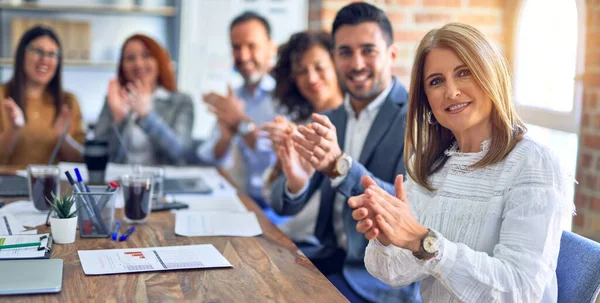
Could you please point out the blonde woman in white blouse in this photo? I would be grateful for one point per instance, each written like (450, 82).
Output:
(479, 218)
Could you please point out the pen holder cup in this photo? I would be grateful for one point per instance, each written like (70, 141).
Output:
(95, 212)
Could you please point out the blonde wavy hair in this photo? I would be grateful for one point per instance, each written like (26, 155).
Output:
(425, 143)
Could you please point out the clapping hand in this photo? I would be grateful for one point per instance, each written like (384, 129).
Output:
(386, 217)
(228, 109)
(317, 144)
(277, 130)
(296, 169)
(15, 114)
(118, 101)
(140, 97)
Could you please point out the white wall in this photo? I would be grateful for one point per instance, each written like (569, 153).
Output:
(205, 54)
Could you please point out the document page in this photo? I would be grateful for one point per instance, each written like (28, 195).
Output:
(195, 224)
(114, 261)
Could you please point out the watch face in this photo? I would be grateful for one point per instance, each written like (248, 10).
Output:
(430, 244)
(343, 166)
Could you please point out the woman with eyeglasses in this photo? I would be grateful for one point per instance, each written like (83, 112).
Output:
(36, 111)
(145, 119)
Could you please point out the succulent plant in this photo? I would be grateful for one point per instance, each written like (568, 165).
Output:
(62, 206)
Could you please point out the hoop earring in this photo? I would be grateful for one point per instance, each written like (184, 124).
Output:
(430, 119)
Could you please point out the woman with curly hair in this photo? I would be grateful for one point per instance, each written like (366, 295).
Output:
(306, 83)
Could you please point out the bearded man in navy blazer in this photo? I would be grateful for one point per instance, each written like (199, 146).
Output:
(328, 157)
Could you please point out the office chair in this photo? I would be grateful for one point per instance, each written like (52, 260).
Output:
(578, 269)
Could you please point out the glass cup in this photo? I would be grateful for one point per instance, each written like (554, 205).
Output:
(158, 178)
(137, 193)
(44, 180)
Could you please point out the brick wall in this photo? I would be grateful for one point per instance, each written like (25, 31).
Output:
(587, 193)
(411, 19)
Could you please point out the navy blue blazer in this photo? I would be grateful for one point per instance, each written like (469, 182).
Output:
(382, 158)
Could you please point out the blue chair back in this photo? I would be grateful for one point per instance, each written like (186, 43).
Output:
(578, 269)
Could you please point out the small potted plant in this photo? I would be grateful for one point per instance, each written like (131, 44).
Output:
(64, 220)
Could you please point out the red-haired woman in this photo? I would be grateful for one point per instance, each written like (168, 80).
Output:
(144, 109)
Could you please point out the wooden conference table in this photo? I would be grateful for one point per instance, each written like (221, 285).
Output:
(267, 268)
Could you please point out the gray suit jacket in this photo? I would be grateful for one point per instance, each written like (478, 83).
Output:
(382, 158)
(169, 126)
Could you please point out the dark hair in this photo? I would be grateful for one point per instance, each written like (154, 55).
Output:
(16, 86)
(360, 12)
(166, 76)
(249, 16)
(289, 54)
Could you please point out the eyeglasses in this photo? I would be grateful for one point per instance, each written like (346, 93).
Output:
(41, 53)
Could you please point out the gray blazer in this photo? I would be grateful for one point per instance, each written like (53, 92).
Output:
(169, 126)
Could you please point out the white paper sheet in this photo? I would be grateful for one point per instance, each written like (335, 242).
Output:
(210, 203)
(113, 261)
(23, 252)
(9, 225)
(26, 213)
(196, 224)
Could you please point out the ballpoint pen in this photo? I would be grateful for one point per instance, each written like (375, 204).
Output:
(115, 231)
(113, 186)
(82, 184)
(20, 245)
(96, 219)
(124, 236)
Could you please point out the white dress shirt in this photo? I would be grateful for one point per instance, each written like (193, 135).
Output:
(499, 227)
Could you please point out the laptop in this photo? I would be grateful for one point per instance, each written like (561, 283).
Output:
(31, 276)
(13, 186)
(186, 186)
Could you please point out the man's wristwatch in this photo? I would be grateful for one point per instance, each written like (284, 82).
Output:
(429, 246)
(245, 127)
(342, 165)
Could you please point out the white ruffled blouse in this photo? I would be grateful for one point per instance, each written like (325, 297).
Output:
(499, 227)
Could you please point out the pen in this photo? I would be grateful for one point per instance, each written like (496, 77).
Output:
(82, 184)
(112, 186)
(116, 231)
(124, 236)
(84, 188)
(21, 245)
(90, 211)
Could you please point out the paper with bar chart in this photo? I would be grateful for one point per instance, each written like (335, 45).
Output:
(114, 261)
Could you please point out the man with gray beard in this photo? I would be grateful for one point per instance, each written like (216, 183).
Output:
(240, 112)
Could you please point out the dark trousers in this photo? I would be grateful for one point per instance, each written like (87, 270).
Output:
(331, 267)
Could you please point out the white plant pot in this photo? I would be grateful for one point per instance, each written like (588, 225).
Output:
(63, 230)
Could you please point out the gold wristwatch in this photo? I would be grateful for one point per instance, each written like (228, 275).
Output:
(342, 165)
